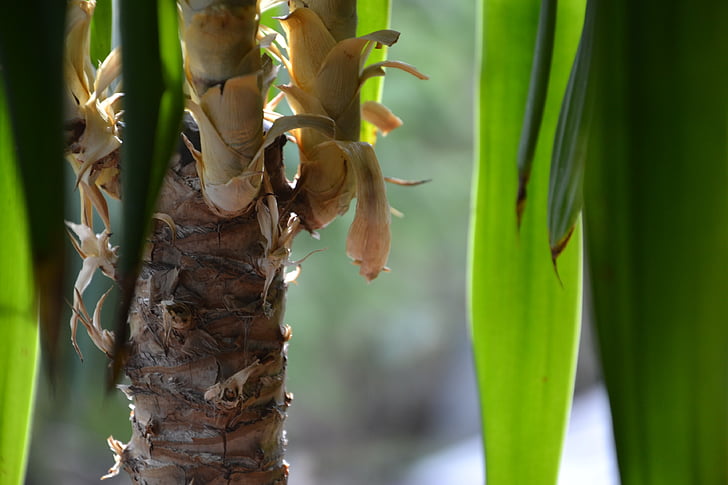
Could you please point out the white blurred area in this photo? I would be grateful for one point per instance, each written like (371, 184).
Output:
(588, 456)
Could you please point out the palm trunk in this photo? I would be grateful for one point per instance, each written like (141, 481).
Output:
(208, 348)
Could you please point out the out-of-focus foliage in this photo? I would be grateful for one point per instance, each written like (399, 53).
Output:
(18, 329)
(656, 214)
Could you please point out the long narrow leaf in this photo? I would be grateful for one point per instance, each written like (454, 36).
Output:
(525, 323)
(101, 24)
(31, 50)
(18, 329)
(373, 15)
(656, 213)
(153, 105)
(536, 102)
(566, 178)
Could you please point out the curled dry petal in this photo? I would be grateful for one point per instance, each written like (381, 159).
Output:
(97, 253)
(278, 242)
(117, 447)
(369, 237)
(377, 70)
(380, 116)
(102, 338)
(326, 79)
(328, 181)
(108, 72)
(302, 102)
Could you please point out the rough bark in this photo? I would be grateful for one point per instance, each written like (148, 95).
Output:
(208, 348)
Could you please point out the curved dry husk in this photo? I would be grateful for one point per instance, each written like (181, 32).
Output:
(327, 76)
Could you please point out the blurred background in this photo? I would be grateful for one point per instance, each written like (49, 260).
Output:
(382, 376)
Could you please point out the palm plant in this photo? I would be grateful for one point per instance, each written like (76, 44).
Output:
(651, 151)
(199, 331)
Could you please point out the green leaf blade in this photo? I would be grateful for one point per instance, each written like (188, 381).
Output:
(536, 101)
(566, 178)
(35, 109)
(18, 322)
(525, 323)
(373, 15)
(656, 211)
(101, 28)
(154, 102)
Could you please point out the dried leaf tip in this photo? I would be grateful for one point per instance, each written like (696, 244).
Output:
(117, 447)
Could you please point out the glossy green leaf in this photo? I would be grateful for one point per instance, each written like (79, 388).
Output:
(656, 213)
(373, 15)
(566, 178)
(536, 100)
(31, 50)
(101, 26)
(525, 323)
(153, 105)
(18, 329)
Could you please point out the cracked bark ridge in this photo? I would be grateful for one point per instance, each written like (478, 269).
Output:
(207, 357)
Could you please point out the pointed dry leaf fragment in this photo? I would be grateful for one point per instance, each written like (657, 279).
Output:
(369, 237)
(380, 116)
(97, 253)
(378, 70)
(117, 447)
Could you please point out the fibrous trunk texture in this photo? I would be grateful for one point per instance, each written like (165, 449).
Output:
(208, 348)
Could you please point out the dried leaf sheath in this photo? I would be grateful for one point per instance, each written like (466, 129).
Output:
(207, 354)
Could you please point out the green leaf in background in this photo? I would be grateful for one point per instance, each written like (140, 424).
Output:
(18, 328)
(373, 15)
(153, 105)
(536, 101)
(101, 26)
(566, 178)
(656, 213)
(525, 323)
(31, 50)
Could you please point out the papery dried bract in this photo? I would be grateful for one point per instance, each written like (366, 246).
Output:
(220, 42)
(308, 44)
(97, 253)
(369, 236)
(380, 116)
(327, 181)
